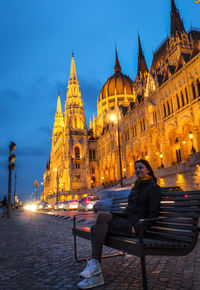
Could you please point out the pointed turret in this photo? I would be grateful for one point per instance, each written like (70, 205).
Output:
(73, 76)
(58, 124)
(176, 22)
(73, 93)
(117, 68)
(142, 66)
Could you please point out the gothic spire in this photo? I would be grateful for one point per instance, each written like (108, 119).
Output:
(117, 68)
(59, 110)
(59, 115)
(176, 21)
(142, 66)
(73, 77)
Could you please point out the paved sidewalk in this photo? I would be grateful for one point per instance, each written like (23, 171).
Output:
(36, 252)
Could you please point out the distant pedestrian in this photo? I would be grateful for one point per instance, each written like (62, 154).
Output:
(4, 204)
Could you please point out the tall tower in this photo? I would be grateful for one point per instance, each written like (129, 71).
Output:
(177, 26)
(76, 156)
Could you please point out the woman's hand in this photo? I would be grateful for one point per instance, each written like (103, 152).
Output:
(133, 230)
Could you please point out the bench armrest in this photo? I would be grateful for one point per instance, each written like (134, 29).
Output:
(81, 214)
(141, 223)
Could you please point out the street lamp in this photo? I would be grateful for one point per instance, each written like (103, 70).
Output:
(115, 118)
(191, 136)
(161, 157)
(56, 170)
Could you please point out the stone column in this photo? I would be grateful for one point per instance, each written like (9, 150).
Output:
(197, 138)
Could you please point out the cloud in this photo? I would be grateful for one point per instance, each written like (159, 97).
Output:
(9, 94)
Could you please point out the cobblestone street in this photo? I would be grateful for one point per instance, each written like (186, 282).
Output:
(36, 252)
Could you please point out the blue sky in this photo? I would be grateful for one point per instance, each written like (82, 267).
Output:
(37, 38)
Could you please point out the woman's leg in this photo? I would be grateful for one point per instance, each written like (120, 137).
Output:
(98, 233)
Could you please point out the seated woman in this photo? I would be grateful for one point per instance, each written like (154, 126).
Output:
(143, 202)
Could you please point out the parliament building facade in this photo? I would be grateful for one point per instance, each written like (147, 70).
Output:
(155, 117)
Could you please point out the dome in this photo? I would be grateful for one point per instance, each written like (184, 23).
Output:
(117, 84)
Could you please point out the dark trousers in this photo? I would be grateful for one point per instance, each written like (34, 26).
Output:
(99, 232)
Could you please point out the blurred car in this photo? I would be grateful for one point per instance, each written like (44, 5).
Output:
(166, 189)
(71, 205)
(44, 205)
(59, 205)
(106, 198)
(87, 203)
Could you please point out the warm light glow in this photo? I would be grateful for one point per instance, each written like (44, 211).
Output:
(157, 153)
(191, 135)
(131, 163)
(184, 142)
(124, 169)
(161, 155)
(55, 169)
(113, 117)
(31, 207)
(102, 177)
(147, 157)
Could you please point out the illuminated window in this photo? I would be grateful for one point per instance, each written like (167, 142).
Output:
(193, 91)
(77, 153)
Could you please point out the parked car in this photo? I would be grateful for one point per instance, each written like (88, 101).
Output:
(59, 205)
(87, 203)
(44, 205)
(71, 205)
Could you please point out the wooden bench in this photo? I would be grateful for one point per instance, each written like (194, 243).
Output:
(174, 233)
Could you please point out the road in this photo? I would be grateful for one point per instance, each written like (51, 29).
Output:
(36, 253)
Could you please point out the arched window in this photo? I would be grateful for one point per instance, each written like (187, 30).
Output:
(75, 122)
(171, 105)
(77, 152)
(186, 96)
(182, 98)
(164, 110)
(168, 107)
(193, 91)
(198, 87)
(178, 103)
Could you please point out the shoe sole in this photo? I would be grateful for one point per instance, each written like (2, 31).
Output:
(92, 286)
(89, 276)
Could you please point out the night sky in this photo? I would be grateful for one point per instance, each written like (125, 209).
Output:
(37, 39)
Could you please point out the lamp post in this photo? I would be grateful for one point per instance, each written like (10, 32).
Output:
(15, 195)
(115, 118)
(191, 136)
(161, 157)
(56, 170)
(36, 184)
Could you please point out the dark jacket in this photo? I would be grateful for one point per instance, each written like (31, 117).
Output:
(143, 202)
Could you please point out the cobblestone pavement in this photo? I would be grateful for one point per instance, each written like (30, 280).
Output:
(36, 252)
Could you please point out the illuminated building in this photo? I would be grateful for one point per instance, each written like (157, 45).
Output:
(157, 117)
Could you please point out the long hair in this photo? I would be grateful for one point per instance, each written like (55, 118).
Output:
(148, 166)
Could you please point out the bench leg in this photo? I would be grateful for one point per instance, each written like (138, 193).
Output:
(144, 276)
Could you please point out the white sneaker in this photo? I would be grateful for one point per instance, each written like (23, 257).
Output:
(91, 282)
(93, 268)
